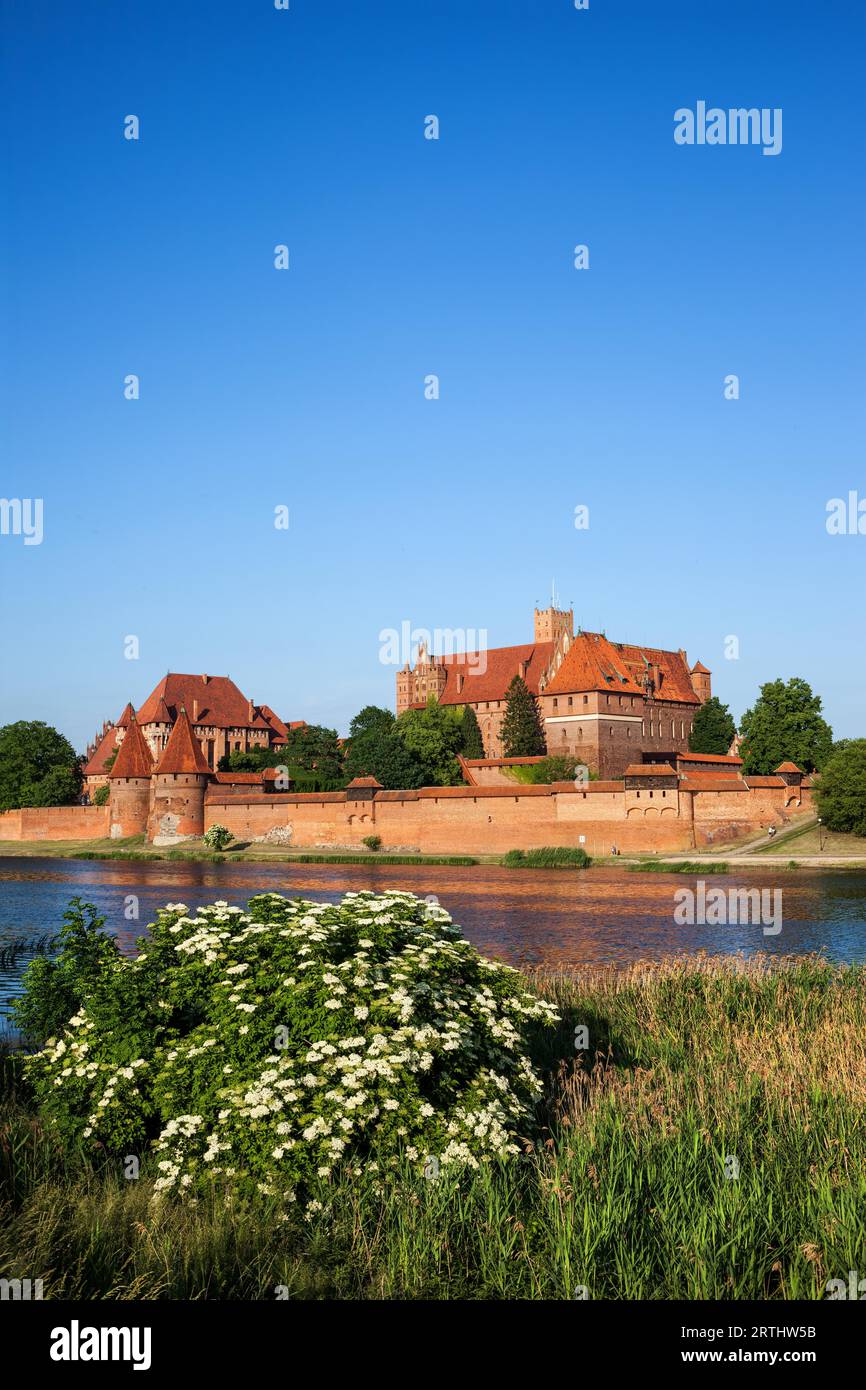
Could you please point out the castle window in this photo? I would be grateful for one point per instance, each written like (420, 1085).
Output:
(586, 699)
(610, 731)
(555, 703)
(569, 702)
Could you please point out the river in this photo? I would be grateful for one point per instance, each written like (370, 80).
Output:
(553, 918)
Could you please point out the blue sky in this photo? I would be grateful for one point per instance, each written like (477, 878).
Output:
(408, 257)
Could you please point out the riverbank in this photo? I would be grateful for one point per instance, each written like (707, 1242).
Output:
(708, 1144)
(795, 849)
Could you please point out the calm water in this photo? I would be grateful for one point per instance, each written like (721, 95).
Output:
(526, 917)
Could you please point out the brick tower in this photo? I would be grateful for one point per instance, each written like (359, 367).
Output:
(178, 787)
(129, 782)
(551, 623)
(701, 681)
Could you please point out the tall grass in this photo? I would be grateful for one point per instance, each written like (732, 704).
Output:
(548, 857)
(690, 1063)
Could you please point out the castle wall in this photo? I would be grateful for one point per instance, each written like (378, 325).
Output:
(55, 823)
(492, 820)
(434, 820)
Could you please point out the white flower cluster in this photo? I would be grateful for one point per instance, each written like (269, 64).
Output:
(397, 1041)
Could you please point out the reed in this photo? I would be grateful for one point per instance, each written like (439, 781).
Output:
(630, 1192)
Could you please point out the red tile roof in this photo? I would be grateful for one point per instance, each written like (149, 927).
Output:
(183, 752)
(721, 758)
(95, 765)
(789, 767)
(501, 762)
(764, 782)
(220, 702)
(594, 663)
(128, 715)
(364, 782)
(711, 782)
(649, 770)
(134, 758)
(162, 715)
(704, 670)
(487, 675)
(274, 722)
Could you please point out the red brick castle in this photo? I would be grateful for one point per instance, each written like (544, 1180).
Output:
(223, 720)
(610, 704)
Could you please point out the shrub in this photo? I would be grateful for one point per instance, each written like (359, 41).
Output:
(217, 837)
(55, 989)
(101, 795)
(373, 842)
(272, 1048)
(550, 857)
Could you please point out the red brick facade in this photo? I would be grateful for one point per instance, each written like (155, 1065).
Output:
(606, 703)
(223, 719)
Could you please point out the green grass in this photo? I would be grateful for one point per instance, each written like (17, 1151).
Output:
(373, 858)
(549, 857)
(690, 1062)
(687, 866)
(136, 849)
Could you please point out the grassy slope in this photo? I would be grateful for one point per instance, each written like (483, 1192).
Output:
(689, 1062)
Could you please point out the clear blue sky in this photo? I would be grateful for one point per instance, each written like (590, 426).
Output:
(409, 257)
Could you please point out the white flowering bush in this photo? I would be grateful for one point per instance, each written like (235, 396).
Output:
(270, 1049)
(217, 837)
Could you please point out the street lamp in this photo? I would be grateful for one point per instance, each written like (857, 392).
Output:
(820, 834)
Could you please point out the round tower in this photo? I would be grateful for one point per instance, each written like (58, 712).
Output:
(178, 785)
(129, 783)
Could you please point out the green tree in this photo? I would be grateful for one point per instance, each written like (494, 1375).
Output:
(101, 795)
(435, 736)
(375, 749)
(522, 729)
(371, 718)
(785, 722)
(313, 748)
(713, 728)
(312, 755)
(841, 790)
(473, 743)
(38, 767)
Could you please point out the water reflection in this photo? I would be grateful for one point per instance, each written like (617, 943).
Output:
(553, 918)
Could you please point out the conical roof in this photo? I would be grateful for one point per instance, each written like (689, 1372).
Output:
(133, 759)
(162, 715)
(183, 752)
(126, 718)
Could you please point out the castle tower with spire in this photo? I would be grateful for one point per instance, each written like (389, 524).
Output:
(129, 781)
(178, 787)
